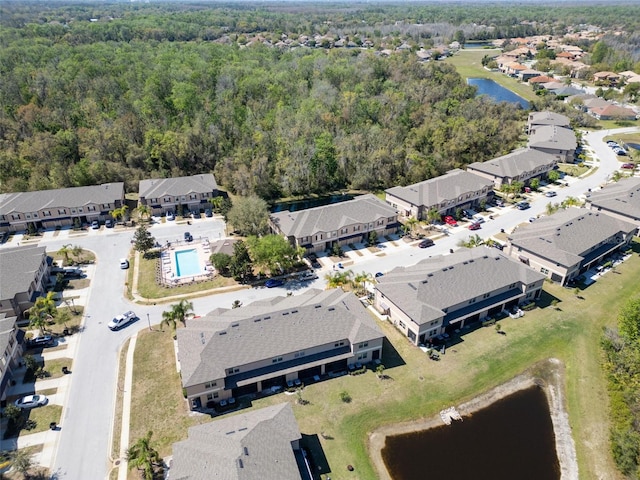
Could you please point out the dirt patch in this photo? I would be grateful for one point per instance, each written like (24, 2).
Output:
(549, 375)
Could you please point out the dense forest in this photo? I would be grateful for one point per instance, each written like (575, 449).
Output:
(93, 93)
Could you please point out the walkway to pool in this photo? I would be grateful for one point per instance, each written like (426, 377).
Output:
(167, 268)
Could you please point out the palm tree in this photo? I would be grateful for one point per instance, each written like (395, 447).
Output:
(360, 281)
(42, 310)
(144, 212)
(178, 313)
(410, 223)
(216, 203)
(338, 279)
(65, 250)
(143, 456)
(474, 241)
(571, 202)
(551, 208)
(433, 216)
(77, 251)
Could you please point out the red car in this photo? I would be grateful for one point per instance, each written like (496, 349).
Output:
(474, 226)
(449, 220)
(630, 166)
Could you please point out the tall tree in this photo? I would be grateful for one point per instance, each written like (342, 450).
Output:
(43, 309)
(143, 241)
(65, 250)
(249, 216)
(241, 265)
(178, 313)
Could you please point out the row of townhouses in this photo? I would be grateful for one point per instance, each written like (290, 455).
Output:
(66, 207)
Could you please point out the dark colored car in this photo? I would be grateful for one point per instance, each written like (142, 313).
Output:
(195, 213)
(108, 223)
(208, 213)
(523, 205)
(629, 166)
(273, 282)
(314, 261)
(427, 242)
(379, 274)
(188, 237)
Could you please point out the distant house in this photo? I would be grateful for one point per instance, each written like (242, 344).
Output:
(447, 292)
(236, 352)
(59, 208)
(612, 112)
(527, 74)
(606, 78)
(570, 242)
(557, 141)
(540, 79)
(255, 444)
(163, 195)
(546, 118)
(521, 165)
(446, 193)
(317, 229)
(10, 350)
(23, 279)
(620, 200)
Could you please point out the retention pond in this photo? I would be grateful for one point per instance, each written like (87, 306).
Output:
(511, 438)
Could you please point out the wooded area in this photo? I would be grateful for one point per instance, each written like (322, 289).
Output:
(119, 92)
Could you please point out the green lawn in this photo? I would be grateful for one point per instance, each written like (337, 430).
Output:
(418, 387)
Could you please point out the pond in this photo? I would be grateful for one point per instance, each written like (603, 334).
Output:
(511, 438)
(478, 45)
(304, 203)
(497, 92)
(635, 146)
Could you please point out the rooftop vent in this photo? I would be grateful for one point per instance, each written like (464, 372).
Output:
(331, 309)
(285, 313)
(222, 333)
(267, 318)
(317, 306)
(413, 286)
(429, 274)
(465, 263)
(294, 311)
(242, 430)
(202, 338)
(258, 320)
(246, 450)
(231, 432)
(235, 324)
(240, 464)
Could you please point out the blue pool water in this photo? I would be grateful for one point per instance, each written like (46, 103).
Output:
(497, 92)
(187, 263)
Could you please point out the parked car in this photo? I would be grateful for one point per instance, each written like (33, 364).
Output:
(620, 151)
(120, 321)
(188, 237)
(307, 275)
(72, 272)
(195, 213)
(522, 205)
(469, 213)
(474, 226)
(95, 224)
(499, 202)
(273, 282)
(379, 274)
(314, 260)
(208, 213)
(612, 144)
(108, 223)
(449, 220)
(41, 341)
(31, 401)
(170, 216)
(124, 263)
(478, 219)
(550, 194)
(628, 166)
(427, 242)
(532, 219)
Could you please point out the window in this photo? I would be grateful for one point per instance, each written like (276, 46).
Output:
(210, 384)
(402, 325)
(105, 205)
(363, 345)
(356, 228)
(79, 210)
(46, 213)
(473, 300)
(544, 271)
(61, 211)
(486, 295)
(363, 356)
(276, 360)
(299, 354)
(28, 216)
(15, 217)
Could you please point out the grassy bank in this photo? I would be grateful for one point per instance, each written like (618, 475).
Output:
(418, 387)
(468, 63)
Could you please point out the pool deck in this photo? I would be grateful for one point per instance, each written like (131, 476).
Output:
(168, 266)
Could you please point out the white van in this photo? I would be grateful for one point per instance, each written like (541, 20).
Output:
(124, 263)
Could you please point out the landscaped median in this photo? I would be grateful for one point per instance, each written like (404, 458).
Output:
(415, 387)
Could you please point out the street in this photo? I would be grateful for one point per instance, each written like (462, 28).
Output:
(84, 442)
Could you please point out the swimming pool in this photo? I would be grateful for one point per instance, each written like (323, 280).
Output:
(187, 263)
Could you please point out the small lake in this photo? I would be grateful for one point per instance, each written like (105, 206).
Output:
(497, 92)
(635, 146)
(295, 205)
(478, 45)
(511, 438)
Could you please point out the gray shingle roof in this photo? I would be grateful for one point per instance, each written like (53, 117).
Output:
(329, 218)
(515, 163)
(423, 290)
(291, 324)
(622, 197)
(566, 236)
(548, 118)
(253, 445)
(434, 191)
(159, 187)
(23, 263)
(553, 137)
(61, 198)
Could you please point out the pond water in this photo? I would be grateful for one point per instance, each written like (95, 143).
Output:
(634, 145)
(478, 45)
(497, 92)
(295, 205)
(512, 438)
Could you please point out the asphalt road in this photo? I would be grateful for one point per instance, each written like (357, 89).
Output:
(84, 444)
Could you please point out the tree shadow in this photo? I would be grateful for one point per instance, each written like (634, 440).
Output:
(547, 300)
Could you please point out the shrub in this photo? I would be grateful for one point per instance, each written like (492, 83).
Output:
(345, 397)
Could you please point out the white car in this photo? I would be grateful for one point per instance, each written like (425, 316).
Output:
(550, 193)
(31, 401)
(120, 321)
(307, 275)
